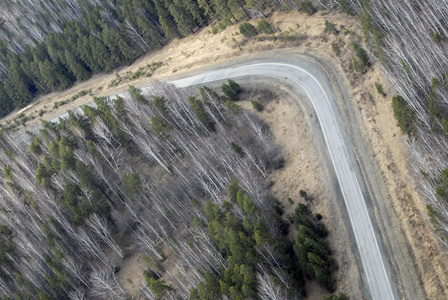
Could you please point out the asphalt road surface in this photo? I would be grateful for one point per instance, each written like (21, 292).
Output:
(379, 280)
(375, 269)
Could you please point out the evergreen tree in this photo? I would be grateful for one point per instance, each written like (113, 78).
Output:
(248, 29)
(84, 49)
(207, 7)
(53, 75)
(193, 8)
(31, 68)
(17, 86)
(76, 66)
(6, 104)
(183, 18)
(149, 32)
(166, 20)
(236, 6)
(147, 23)
(222, 10)
(55, 48)
(100, 54)
(404, 114)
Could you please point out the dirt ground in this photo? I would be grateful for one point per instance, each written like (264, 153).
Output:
(302, 33)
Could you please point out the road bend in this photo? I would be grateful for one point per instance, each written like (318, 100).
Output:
(379, 281)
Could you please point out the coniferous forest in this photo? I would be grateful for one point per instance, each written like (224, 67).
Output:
(48, 45)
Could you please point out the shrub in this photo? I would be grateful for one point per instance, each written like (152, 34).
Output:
(335, 48)
(265, 27)
(248, 30)
(358, 66)
(238, 150)
(137, 74)
(330, 28)
(437, 37)
(232, 107)
(379, 88)
(362, 54)
(404, 114)
(306, 7)
(234, 86)
(231, 90)
(257, 105)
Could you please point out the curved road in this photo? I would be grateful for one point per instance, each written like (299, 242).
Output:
(379, 280)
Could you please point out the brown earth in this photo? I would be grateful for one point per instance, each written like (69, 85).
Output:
(304, 34)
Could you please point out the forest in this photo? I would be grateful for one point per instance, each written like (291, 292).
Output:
(176, 176)
(409, 39)
(60, 42)
(49, 45)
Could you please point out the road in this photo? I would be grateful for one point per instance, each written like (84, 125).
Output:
(342, 157)
(375, 268)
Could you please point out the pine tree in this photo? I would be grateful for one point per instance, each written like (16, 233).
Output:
(193, 9)
(100, 54)
(53, 75)
(183, 19)
(124, 44)
(109, 40)
(76, 66)
(404, 114)
(149, 32)
(55, 48)
(84, 48)
(166, 20)
(235, 7)
(16, 85)
(31, 69)
(222, 10)
(6, 104)
(207, 6)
